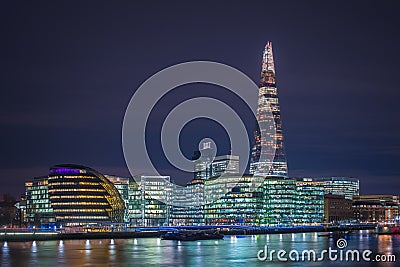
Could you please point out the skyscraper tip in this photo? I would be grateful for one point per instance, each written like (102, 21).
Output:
(268, 58)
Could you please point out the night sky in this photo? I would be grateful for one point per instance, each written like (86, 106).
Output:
(69, 69)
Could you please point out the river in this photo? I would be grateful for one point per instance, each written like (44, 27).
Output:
(231, 251)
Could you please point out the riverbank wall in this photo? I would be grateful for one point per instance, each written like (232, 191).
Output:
(15, 235)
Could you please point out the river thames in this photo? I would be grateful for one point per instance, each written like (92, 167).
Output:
(231, 251)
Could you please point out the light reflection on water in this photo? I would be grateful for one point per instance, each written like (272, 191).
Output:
(232, 250)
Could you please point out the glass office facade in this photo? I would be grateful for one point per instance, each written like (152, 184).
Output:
(134, 203)
(38, 207)
(122, 185)
(188, 204)
(228, 164)
(81, 196)
(209, 166)
(310, 202)
(349, 187)
(155, 212)
(180, 213)
(202, 160)
(241, 205)
(196, 193)
(77, 195)
(279, 201)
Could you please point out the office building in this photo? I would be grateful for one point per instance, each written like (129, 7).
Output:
(280, 196)
(81, 196)
(233, 200)
(155, 193)
(208, 166)
(203, 159)
(135, 215)
(309, 206)
(38, 206)
(376, 208)
(349, 187)
(263, 160)
(122, 185)
(228, 164)
(196, 193)
(337, 209)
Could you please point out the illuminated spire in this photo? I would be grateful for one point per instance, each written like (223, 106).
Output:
(268, 58)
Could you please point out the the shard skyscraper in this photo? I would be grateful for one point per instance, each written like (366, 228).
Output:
(268, 103)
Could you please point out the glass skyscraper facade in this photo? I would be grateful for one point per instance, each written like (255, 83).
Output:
(261, 163)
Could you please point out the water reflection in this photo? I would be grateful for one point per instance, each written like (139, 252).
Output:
(61, 247)
(34, 247)
(4, 254)
(385, 244)
(87, 248)
(234, 250)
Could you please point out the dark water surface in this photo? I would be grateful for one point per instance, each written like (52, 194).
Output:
(231, 251)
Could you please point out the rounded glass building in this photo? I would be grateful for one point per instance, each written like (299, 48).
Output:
(80, 196)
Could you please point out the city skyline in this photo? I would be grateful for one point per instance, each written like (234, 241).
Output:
(65, 90)
(271, 167)
(197, 133)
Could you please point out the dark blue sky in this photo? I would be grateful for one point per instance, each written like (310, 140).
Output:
(69, 69)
